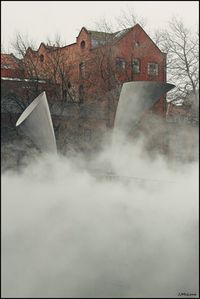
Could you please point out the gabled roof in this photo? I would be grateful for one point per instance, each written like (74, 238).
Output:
(102, 38)
(9, 61)
(83, 28)
(48, 47)
(138, 25)
(31, 50)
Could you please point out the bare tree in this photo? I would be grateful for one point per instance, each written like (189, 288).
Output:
(105, 68)
(129, 18)
(182, 48)
(59, 70)
(24, 49)
(55, 70)
(105, 62)
(104, 25)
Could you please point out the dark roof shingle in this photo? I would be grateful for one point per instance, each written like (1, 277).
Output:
(101, 38)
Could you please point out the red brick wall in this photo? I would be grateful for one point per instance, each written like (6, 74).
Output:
(135, 44)
(125, 48)
(24, 90)
(12, 73)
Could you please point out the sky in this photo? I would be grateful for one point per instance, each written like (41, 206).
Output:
(40, 20)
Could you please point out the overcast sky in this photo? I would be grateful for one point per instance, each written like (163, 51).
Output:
(40, 20)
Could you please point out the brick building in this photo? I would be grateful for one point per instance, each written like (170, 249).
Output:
(83, 79)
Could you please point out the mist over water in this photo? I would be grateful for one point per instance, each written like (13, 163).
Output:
(118, 225)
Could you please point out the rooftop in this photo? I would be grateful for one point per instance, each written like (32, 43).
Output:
(101, 38)
(9, 61)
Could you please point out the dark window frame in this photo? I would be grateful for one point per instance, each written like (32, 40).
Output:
(41, 58)
(152, 72)
(135, 71)
(120, 64)
(82, 44)
(82, 69)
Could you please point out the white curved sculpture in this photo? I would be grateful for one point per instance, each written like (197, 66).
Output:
(36, 123)
(135, 98)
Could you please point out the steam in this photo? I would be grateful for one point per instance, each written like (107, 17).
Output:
(119, 225)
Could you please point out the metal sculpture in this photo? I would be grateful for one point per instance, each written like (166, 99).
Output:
(135, 99)
(36, 123)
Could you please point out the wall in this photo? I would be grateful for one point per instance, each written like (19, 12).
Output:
(101, 82)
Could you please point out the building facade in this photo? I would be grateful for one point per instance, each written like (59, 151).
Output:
(83, 80)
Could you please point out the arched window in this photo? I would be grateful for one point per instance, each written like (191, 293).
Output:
(41, 58)
(81, 94)
(82, 44)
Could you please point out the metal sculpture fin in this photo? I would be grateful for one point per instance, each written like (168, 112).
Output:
(135, 98)
(36, 123)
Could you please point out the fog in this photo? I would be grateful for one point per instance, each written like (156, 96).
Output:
(120, 224)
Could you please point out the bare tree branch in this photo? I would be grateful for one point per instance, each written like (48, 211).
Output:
(181, 46)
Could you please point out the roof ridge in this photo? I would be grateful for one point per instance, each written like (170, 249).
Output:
(95, 31)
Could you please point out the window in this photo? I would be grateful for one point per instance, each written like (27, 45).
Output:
(82, 44)
(82, 69)
(153, 69)
(95, 43)
(81, 94)
(120, 64)
(41, 58)
(136, 66)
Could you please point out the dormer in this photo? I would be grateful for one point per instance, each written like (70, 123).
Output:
(83, 40)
